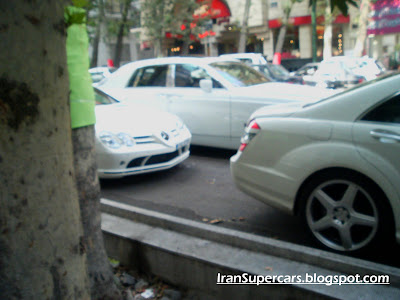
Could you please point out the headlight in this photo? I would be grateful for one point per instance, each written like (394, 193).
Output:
(126, 139)
(110, 140)
(116, 141)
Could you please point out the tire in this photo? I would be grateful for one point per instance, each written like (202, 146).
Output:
(345, 211)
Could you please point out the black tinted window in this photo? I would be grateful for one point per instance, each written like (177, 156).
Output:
(149, 76)
(388, 112)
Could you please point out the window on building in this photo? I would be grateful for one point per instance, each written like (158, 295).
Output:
(337, 40)
(290, 47)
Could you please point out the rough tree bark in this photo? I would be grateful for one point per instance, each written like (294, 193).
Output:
(41, 246)
(100, 272)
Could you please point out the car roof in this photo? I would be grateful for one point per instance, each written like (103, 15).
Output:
(178, 59)
(363, 96)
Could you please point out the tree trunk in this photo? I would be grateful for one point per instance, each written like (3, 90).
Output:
(287, 9)
(41, 240)
(281, 38)
(98, 34)
(328, 31)
(120, 36)
(185, 46)
(95, 47)
(158, 48)
(243, 31)
(362, 28)
(99, 268)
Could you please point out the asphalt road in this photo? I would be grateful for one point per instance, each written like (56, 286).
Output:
(201, 189)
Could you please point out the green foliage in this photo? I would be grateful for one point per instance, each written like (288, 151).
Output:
(81, 3)
(342, 5)
(160, 16)
(74, 15)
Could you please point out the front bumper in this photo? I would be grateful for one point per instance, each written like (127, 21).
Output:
(149, 158)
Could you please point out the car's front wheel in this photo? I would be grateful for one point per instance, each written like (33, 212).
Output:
(345, 212)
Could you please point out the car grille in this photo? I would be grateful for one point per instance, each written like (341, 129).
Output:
(144, 139)
(155, 159)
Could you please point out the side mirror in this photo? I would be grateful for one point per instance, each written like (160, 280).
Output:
(206, 85)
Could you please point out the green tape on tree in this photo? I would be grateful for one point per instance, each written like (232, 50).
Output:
(82, 100)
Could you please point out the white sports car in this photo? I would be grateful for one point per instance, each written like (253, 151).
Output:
(132, 139)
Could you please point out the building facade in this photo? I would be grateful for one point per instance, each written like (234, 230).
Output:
(221, 33)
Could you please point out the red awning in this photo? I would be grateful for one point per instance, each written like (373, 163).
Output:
(213, 9)
(305, 20)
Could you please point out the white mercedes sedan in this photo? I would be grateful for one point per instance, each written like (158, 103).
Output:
(132, 139)
(336, 162)
(213, 96)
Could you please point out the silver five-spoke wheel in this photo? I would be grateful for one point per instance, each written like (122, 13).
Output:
(342, 215)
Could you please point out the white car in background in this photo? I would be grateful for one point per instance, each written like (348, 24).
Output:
(213, 96)
(336, 162)
(248, 58)
(132, 139)
(99, 73)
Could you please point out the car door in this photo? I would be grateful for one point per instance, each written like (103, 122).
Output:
(377, 137)
(147, 86)
(206, 113)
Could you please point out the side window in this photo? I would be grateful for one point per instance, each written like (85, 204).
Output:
(190, 76)
(388, 112)
(149, 76)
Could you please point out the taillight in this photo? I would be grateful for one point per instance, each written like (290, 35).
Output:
(250, 132)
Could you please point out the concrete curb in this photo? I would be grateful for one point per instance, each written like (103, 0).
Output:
(136, 234)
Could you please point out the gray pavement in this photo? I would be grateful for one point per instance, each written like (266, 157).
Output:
(191, 254)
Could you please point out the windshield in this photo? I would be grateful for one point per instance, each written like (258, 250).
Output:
(239, 74)
(279, 70)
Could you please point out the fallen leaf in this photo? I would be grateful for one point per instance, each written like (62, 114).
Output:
(215, 221)
(269, 268)
(205, 220)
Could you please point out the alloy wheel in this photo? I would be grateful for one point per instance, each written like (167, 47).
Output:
(342, 215)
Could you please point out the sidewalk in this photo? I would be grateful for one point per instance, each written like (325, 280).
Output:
(190, 255)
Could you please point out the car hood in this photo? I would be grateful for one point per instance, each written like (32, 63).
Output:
(284, 91)
(135, 120)
(278, 110)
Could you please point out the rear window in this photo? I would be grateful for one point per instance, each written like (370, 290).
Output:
(149, 76)
(239, 74)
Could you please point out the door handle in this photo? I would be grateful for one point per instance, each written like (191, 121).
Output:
(383, 135)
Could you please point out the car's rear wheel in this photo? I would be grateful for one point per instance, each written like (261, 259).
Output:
(345, 212)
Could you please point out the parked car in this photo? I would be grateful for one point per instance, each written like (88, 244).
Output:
(335, 162)
(366, 67)
(333, 74)
(248, 58)
(276, 73)
(213, 96)
(132, 139)
(306, 70)
(99, 73)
